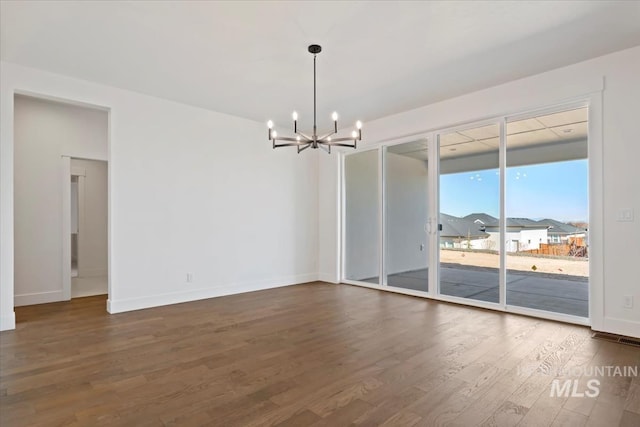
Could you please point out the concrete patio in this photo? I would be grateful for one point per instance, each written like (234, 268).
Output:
(556, 293)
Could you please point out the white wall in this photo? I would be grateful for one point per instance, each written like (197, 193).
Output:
(534, 236)
(496, 243)
(92, 239)
(449, 242)
(191, 191)
(517, 241)
(618, 77)
(44, 131)
(407, 213)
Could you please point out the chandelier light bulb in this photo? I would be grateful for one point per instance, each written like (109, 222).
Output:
(295, 115)
(329, 139)
(334, 116)
(354, 134)
(359, 124)
(275, 134)
(298, 138)
(270, 124)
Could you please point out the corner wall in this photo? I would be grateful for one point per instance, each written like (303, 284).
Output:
(191, 191)
(617, 77)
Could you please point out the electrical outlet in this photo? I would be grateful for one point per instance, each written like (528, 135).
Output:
(189, 277)
(628, 301)
(422, 246)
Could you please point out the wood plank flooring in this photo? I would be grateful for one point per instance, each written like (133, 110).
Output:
(307, 355)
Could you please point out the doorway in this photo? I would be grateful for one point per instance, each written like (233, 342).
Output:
(87, 223)
(48, 135)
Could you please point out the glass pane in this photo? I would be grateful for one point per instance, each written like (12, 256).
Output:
(547, 213)
(469, 213)
(361, 217)
(406, 215)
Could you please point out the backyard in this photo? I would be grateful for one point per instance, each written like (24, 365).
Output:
(543, 264)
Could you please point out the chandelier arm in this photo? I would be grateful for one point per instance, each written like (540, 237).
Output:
(339, 144)
(325, 147)
(307, 137)
(289, 144)
(323, 137)
(288, 138)
(338, 140)
(300, 149)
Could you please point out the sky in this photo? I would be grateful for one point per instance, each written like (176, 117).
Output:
(551, 190)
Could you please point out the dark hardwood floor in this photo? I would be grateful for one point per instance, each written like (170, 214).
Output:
(307, 355)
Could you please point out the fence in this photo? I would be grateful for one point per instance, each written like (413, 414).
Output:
(561, 249)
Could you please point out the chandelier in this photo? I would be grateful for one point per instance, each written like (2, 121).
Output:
(303, 141)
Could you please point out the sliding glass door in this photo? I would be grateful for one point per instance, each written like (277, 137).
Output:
(361, 215)
(406, 211)
(547, 212)
(499, 208)
(469, 213)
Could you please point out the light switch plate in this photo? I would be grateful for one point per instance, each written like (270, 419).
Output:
(625, 215)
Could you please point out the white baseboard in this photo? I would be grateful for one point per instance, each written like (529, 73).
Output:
(328, 277)
(8, 322)
(620, 327)
(90, 293)
(130, 304)
(38, 298)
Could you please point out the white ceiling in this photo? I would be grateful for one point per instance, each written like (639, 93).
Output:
(250, 58)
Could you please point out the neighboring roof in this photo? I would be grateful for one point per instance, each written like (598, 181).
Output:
(452, 226)
(476, 223)
(524, 223)
(517, 223)
(557, 227)
(483, 218)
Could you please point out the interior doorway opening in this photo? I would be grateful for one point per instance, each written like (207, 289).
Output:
(87, 217)
(52, 138)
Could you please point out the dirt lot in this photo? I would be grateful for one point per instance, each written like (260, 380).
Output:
(521, 263)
